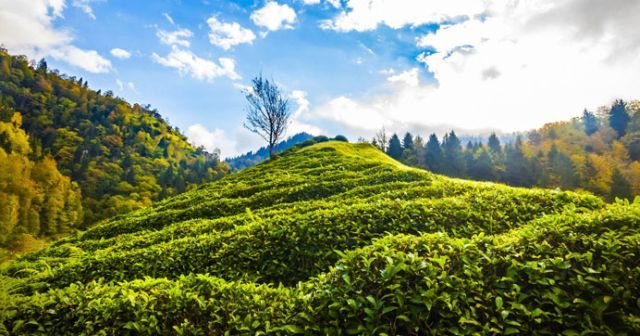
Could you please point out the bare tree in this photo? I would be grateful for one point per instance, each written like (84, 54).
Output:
(380, 140)
(268, 112)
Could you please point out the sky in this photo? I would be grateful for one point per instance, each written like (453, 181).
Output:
(348, 67)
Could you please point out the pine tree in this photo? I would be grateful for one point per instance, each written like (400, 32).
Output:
(395, 148)
(482, 167)
(494, 144)
(407, 141)
(518, 171)
(590, 122)
(433, 157)
(619, 118)
(452, 152)
(562, 169)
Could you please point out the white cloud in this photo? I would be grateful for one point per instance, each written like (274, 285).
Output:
(120, 84)
(89, 60)
(227, 35)
(85, 6)
(212, 140)
(298, 117)
(199, 68)
(311, 2)
(363, 15)
(274, 16)
(408, 78)
(27, 27)
(120, 53)
(178, 37)
(519, 66)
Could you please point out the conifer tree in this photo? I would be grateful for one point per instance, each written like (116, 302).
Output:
(494, 144)
(395, 148)
(619, 118)
(407, 141)
(452, 152)
(590, 122)
(433, 158)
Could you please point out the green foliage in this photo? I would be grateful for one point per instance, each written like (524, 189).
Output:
(582, 153)
(121, 156)
(337, 238)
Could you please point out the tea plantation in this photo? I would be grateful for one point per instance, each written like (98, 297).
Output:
(336, 239)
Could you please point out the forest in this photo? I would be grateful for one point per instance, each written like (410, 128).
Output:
(597, 152)
(71, 156)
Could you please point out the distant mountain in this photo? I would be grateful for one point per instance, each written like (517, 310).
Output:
(251, 159)
(59, 140)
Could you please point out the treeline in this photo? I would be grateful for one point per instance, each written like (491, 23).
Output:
(598, 152)
(122, 156)
(252, 158)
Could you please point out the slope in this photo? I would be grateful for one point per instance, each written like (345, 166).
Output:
(338, 238)
(123, 156)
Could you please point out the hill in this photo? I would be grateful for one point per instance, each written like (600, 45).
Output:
(338, 238)
(251, 159)
(118, 156)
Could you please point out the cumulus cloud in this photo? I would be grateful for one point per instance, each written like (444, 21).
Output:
(226, 35)
(89, 60)
(120, 53)
(212, 141)
(178, 37)
(515, 67)
(27, 27)
(186, 62)
(274, 16)
(311, 2)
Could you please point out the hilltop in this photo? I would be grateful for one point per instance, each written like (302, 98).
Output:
(338, 238)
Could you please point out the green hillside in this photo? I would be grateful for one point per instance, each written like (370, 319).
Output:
(338, 238)
(111, 155)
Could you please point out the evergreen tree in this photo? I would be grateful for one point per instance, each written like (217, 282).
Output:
(563, 173)
(619, 118)
(395, 148)
(494, 144)
(407, 141)
(620, 187)
(433, 157)
(452, 152)
(518, 170)
(590, 122)
(482, 167)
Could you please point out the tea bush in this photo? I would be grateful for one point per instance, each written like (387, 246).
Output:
(337, 238)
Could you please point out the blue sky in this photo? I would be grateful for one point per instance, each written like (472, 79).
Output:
(349, 66)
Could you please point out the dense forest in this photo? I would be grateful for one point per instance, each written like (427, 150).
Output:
(71, 156)
(253, 158)
(598, 152)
